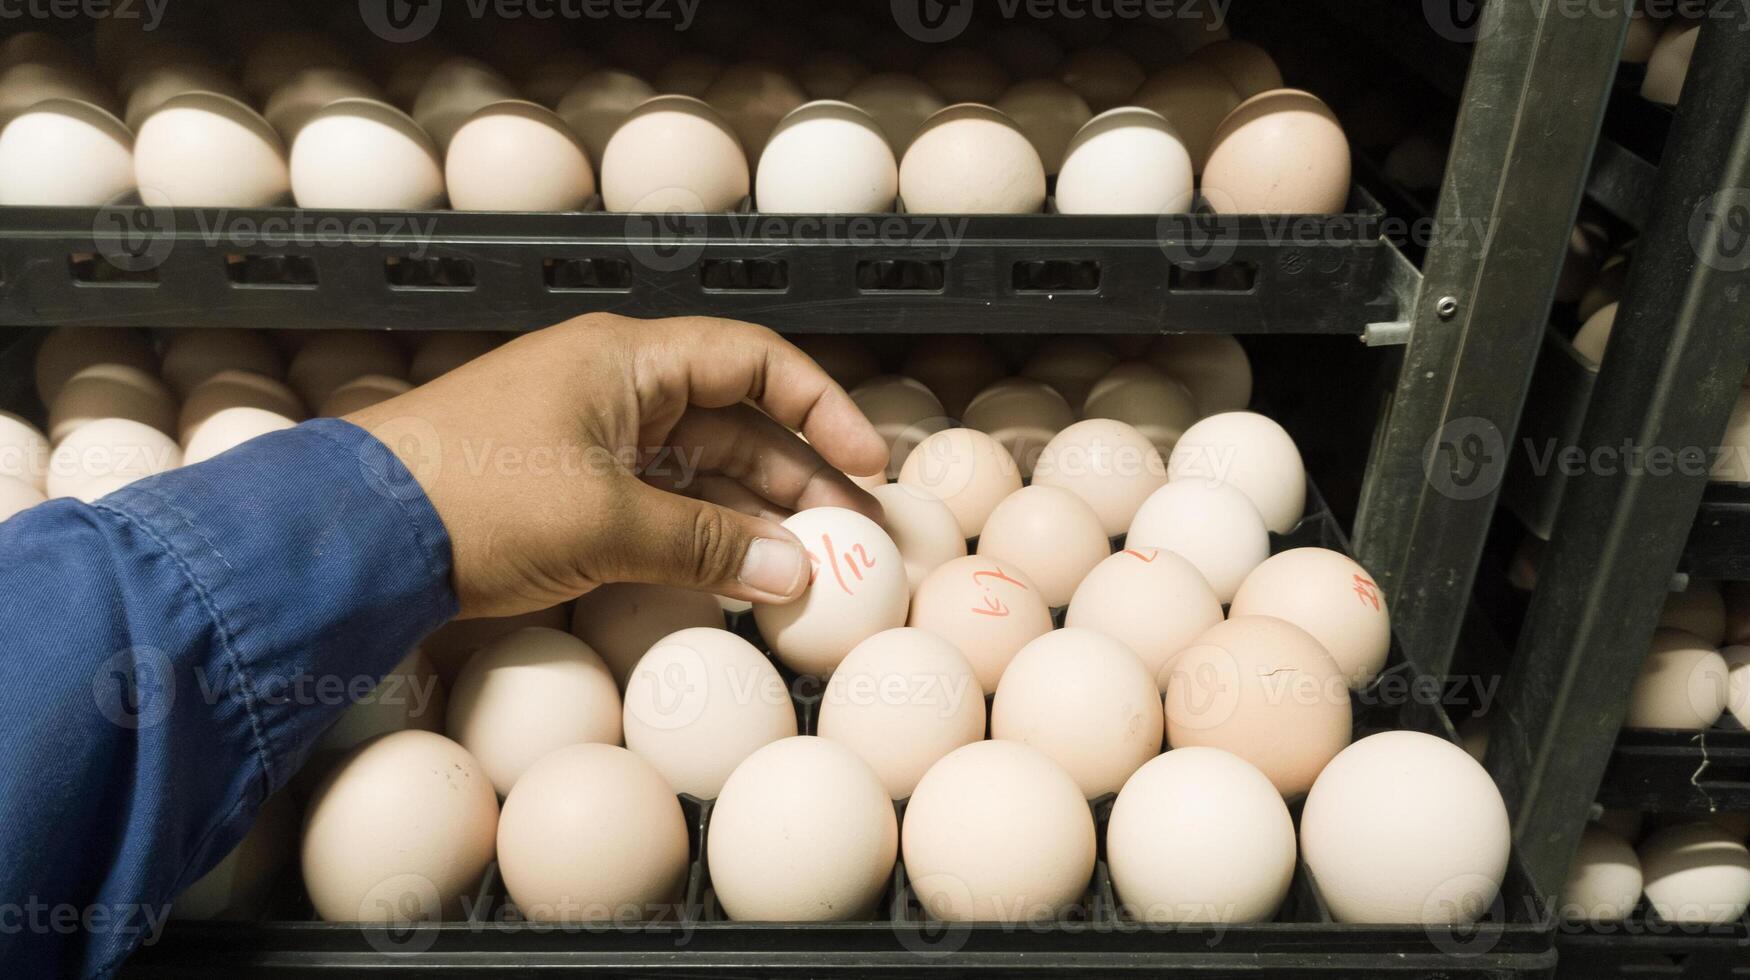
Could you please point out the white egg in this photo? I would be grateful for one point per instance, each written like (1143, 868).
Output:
(1683, 684)
(62, 152)
(24, 452)
(1604, 881)
(106, 455)
(405, 174)
(1125, 161)
(858, 588)
(826, 157)
(227, 429)
(517, 156)
(17, 497)
(1213, 526)
(205, 150)
(1250, 453)
(1696, 873)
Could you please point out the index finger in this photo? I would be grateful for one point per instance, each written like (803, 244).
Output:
(715, 363)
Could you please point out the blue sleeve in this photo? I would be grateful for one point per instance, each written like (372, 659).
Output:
(159, 654)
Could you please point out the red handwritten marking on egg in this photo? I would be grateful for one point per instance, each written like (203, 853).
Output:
(854, 561)
(1367, 591)
(994, 606)
(1148, 559)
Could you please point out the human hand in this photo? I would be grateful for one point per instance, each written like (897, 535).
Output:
(606, 449)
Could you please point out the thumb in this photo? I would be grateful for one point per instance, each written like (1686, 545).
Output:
(692, 544)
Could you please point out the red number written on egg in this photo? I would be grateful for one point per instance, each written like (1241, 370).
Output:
(1367, 591)
(851, 562)
(993, 606)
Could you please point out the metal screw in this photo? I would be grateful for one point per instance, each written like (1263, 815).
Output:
(1446, 307)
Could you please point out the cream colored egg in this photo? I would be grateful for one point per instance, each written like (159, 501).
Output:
(1050, 113)
(1594, 335)
(104, 391)
(1604, 880)
(622, 621)
(409, 696)
(365, 860)
(516, 156)
(954, 366)
(527, 694)
(1049, 533)
(753, 97)
(1668, 64)
(699, 702)
(1404, 827)
(901, 700)
(1194, 98)
(967, 470)
(241, 884)
(17, 497)
(964, 75)
(826, 157)
(334, 357)
(899, 104)
(1699, 609)
(987, 609)
(997, 832)
(1213, 526)
(1250, 453)
(829, 74)
(591, 833)
(1128, 160)
(858, 589)
(236, 389)
(1683, 684)
(406, 174)
(971, 159)
(1085, 700)
(1110, 465)
(903, 411)
(1279, 152)
(456, 89)
(68, 350)
(1737, 660)
(803, 831)
(1246, 66)
(444, 351)
(202, 150)
(1329, 595)
(1696, 873)
(1200, 835)
(923, 529)
(63, 152)
(1265, 690)
(688, 74)
(227, 429)
(1023, 415)
(673, 153)
(596, 105)
(1070, 365)
(293, 103)
(24, 451)
(450, 646)
(1136, 394)
(1213, 366)
(1152, 601)
(361, 393)
(192, 357)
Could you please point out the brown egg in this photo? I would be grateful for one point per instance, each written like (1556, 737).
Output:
(971, 159)
(899, 103)
(753, 97)
(1195, 98)
(68, 350)
(1246, 66)
(1050, 113)
(987, 609)
(335, 357)
(194, 356)
(1281, 152)
(1105, 77)
(596, 105)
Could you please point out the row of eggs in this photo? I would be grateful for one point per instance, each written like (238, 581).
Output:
(119, 411)
(1222, 113)
(1689, 872)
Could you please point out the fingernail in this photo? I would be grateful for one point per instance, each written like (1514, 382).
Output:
(774, 567)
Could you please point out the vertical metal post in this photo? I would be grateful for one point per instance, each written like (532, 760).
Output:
(1532, 106)
(1676, 357)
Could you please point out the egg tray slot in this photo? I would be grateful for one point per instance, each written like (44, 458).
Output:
(695, 937)
(1645, 948)
(895, 273)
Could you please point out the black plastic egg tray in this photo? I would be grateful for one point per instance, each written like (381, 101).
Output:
(1097, 937)
(892, 273)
